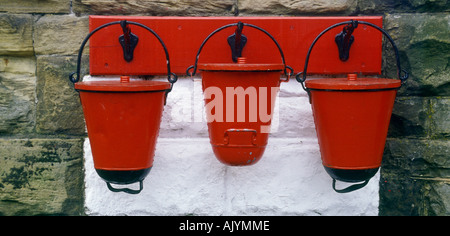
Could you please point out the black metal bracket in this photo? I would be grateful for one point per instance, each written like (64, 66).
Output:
(237, 42)
(75, 77)
(345, 39)
(128, 41)
(194, 67)
(301, 76)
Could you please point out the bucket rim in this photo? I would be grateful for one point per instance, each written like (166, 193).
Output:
(238, 67)
(117, 86)
(361, 84)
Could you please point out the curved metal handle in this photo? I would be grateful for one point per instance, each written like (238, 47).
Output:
(125, 190)
(350, 188)
(399, 69)
(237, 24)
(171, 77)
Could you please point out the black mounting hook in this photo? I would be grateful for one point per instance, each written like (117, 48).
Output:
(301, 76)
(345, 39)
(74, 77)
(128, 41)
(237, 42)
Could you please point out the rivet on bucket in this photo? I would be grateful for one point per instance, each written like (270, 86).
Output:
(242, 60)
(351, 77)
(124, 79)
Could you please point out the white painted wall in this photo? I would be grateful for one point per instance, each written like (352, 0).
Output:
(186, 178)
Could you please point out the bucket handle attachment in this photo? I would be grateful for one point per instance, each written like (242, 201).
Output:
(240, 25)
(226, 138)
(126, 190)
(171, 77)
(237, 42)
(353, 24)
(344, 40)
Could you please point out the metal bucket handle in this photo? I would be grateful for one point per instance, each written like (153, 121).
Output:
(237, 24)
(171, 77)
(351, 188)
(126, 190)
(353, 23)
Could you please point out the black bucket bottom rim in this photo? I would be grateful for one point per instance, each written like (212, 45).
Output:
(123, 176)
(351, 175)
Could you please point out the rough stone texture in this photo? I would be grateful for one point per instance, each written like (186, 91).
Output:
(17, 99)
(436, 197)
(416, 172)
(439, 118)
(165, 7)
(415, 177)
(16, 34)
(420, 117)
(412, 6)
(41, 177)
(60, 34)
(423, 41)
(58, 110)
(418, 157)
(35, 6)
(283, 7)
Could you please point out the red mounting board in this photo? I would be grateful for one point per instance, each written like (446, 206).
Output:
(184, 35)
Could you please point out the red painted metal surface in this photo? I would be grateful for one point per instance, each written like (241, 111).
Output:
(183, 36)
(352, 118)
(353, 84)
(115, 86)
(122, 120)
(237, 129)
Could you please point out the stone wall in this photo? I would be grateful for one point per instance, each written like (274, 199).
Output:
(415, 173)
(41, 121)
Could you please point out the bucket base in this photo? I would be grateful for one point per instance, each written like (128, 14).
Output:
(123, 176)
(238, 155)
(351, 176)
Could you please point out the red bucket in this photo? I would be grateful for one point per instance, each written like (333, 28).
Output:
(351, 117)
(123, 118)
(239, 101)
(244, 94)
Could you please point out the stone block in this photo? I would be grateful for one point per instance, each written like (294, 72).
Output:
(420, 117)
(409, 117)
(414, 196)
(415, 177)
(41, 177)
(439, 122)
(35, 6)
(17, 95)
(60, 34)
(16, 34)
(423, 41)
(18, 65)
(158, 8)
(399, 196)
(437, 202)
(58, 109)
(289, 7)
(417, 158)
(412, 6)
